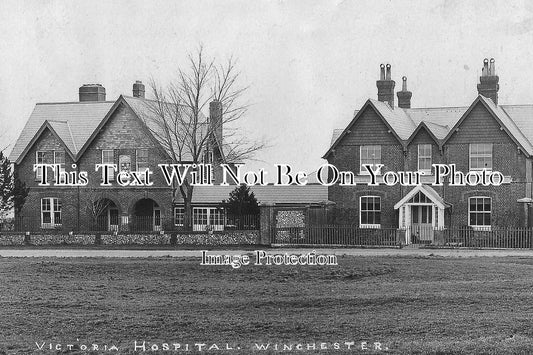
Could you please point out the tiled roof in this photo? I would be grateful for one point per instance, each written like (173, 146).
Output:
(511, 125)
(269, 194)
(146, 110)
(516, 119)
(73, 122)
(336, 134)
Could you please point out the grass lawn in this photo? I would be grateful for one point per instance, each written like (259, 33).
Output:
(407, 304)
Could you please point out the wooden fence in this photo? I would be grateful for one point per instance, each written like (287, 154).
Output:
(346, 235)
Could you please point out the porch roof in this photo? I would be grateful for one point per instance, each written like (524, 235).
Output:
(428, 191)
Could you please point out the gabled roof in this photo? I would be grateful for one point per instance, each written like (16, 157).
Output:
(423, 125)
(145, 110)
(269, 194)
(76, 124)
(384, 111)
(441, 122)
(73, 123)
(503, 119)
(48, 125)
(428, 191)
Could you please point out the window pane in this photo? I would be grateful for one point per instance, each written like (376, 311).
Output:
(59, 158)
(370, 212)
(107, 156)
(473, 205)
(364, 205)
(57, 217)
(486, 206)
(364, 217)
(370, 154)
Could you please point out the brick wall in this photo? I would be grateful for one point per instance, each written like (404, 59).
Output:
(478, 127)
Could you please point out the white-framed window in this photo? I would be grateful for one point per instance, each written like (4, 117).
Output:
(142, 159)
(43, 157)
(50, 212)
(49, 157)
(480, 156)
(59, 158)
(479, 211)
(369, 154)
(108, 157)
(204, 216)
(179, 216)
(370, 212)
(216, 217)
(424, 157)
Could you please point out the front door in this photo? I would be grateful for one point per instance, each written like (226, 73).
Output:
(421, 224)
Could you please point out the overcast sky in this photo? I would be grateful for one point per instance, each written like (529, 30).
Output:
(310, 64)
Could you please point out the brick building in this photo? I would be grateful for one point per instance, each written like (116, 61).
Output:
(485, 135)
(79, 135)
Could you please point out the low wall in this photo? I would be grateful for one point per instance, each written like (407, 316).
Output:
(225, 238)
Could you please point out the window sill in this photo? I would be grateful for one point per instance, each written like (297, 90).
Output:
(370, 226)
(482, 228)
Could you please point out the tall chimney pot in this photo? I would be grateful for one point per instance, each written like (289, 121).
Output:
(488, 81)
(386, 85)
(404, 96)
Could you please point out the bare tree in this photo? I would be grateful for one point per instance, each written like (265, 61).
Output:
(96, 207)
(177, 121)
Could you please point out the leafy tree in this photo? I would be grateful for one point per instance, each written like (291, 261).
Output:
(13, 192)
(241, 202)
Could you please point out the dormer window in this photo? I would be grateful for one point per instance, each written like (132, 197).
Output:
(480, 156)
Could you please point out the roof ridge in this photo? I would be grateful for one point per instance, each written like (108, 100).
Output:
(517, 105)
(436, 108)
(74, 102)
(56, 120)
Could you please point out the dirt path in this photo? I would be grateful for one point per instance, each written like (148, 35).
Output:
(75, 253)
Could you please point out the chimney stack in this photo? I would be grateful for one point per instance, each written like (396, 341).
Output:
(138, 89)
(488, 81)
(404, 96)
(92, 92)
(215, 119)
(386, 85)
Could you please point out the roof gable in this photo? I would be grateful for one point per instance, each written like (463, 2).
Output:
(73, 123)
(428, 191)
(45, 126)
(381, 112)
(423, 126)
(501, 117)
